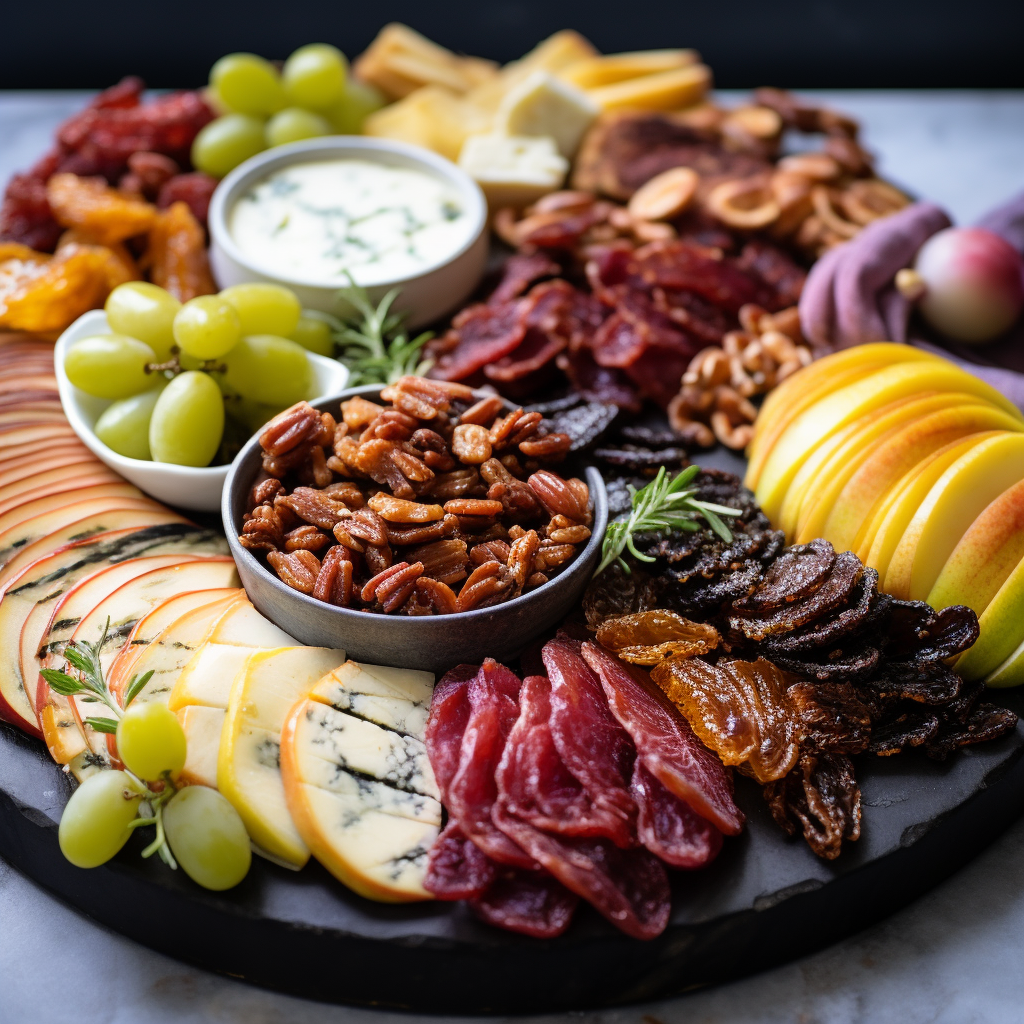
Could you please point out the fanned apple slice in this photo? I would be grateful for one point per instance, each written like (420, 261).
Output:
(249, 762)
(15, 437)
(58, 463)
(70, 495)
(52, 482)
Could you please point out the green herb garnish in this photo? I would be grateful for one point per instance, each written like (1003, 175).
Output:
(662, 504)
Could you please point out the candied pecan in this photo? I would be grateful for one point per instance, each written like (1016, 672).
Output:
(516, 531)
(334, 580)
(421, 533)
(560, 497)
(471, 443)
(263, 530)
(299, 569)
(392, 587)
(551, 447)
(521, 556)
(390, 425)
(312, 506)
(346, 452)
(357, 412)
(488, 584)
(314, 471)
(444, 560)
(512, 464)
(514, 428)
(281, 465)
(265, 489)
(489, 551)
(347, 493)
(484, 411)
(411, 466)
(374, 459)
(291, 429)
(427, 440)
(398, 510)
(456, 484)
(365, 524)
(378, 559)
(570, 534)
(431, 597)
(551, 556)
(479, 507)
(307, 538)
(537, 579)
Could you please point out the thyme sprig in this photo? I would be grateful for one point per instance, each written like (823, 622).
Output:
(372, 342)
(663, 504)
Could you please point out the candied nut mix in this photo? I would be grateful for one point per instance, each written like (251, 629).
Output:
(436, 502)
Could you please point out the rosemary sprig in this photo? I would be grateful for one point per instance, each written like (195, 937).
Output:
(662, 504)
(372, 342)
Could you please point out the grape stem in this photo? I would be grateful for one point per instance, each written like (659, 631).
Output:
(173, 365)
(156, 803)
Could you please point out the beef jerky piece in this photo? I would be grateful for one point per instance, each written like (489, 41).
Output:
(840, 666)
(584, 424)
(933, 683)
(493, 709)
(628, 887)
(606, 384)
(837, 628)
(665, 743)
(739, 709)
(833, 719)
(529, 902)
(520, 271)
(669, 827)
(479, 335)
(635, 459)
(457, 869)
(985, 722)
(536, 350)
(919, 633)
(449, 713)
(820, 796)
(776, 269)
(797, 573)
(533, 783)
(895, 732)
(591, 743)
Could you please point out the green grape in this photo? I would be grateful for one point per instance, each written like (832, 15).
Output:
(294, 124)
(268, 369)
(207, 837)
(264, 308)
(188, 421)
(144, 311)
(313, 334)
(110, 366)
(227, 142)
(150, 741)
(314, 76)
(252, 415)
(94, 825)
(355, 106)
(247, 84)
(207, 327)
(124, 426)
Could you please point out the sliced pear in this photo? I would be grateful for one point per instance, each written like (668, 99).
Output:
(955, 500)
(249, 762)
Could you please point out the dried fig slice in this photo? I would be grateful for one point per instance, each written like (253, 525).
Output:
(797, 573)
(647, 638)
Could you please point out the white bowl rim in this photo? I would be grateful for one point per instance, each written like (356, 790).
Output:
(95, 321)
(311, 150)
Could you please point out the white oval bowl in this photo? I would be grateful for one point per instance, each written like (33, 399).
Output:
(423, 297)
(198, 489)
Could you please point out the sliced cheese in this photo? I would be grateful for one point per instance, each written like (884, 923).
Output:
(243, 626)
(591, 72)
(202, 727)
(545, 105)
(664, 90)
(207, 677)
(395, 698)
(513, 170)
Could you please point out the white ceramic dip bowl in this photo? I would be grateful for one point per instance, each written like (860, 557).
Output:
(187, 487)
(446, 261)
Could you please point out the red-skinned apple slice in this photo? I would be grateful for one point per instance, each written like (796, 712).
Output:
(14, 436)
(36, 507)
(53, 482)
(52, 462)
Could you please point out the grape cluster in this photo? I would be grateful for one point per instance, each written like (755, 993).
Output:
(178, 375)
(311, 96)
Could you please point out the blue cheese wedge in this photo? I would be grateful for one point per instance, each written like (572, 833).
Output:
(513, 170)
(543, 105)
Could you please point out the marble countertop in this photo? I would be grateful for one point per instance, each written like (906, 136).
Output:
(953, 957)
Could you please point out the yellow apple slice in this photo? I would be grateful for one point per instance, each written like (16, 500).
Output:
(955, 500)
(249, 759)
(1002, 629)
(888, 460)
(894, 514)
(805, 387)
(850, 403)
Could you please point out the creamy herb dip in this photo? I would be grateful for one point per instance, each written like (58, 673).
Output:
(318, 222)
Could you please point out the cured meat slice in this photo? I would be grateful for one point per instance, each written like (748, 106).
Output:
(628, 887)
(670, 828)
(481, 335)
(590, 742)
(538, 348)
(665, 743)
(598, 383)
(449, 713)
(527, 902)
(519, 272)
(472, 791)
(457, 869)
(534, 784)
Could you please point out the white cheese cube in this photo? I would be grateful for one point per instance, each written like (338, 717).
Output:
(544, 105)
(513, 170)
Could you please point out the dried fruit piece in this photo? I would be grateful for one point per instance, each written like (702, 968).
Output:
(648, 638)
(177, 254)
(89, 204)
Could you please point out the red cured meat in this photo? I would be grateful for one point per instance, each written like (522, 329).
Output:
(776, 269)
(528, 902)
(665, 742)
(449, 713)
(670, 828)
(480, 335)
(590, 742)
(536, 350)
(599, 383)
(493, 709)
(696, 316)
(658, 373)
(519, 272)
(629, 887)
(534, 784)
(456, 868)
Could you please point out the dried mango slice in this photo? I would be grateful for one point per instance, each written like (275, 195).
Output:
(177, 254)
(648, 638)
(90, 204)
(119, 263)
(739, 709)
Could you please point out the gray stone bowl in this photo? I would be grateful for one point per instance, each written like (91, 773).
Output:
(433, 643)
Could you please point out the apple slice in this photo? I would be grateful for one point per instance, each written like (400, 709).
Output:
(15, 540)
(955, 500)
(1002, 630)
(17, 454)
(43, 484)
(248, 764)
(12, 438)
(52, 463)
(70, 495)
(68, 451)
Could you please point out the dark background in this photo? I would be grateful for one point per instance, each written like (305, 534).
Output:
(798, 43)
